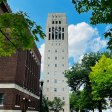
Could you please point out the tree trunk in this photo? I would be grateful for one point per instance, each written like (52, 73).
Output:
(100, 106)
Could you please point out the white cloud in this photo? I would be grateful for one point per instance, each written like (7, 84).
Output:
(82, 39)
(41, 49)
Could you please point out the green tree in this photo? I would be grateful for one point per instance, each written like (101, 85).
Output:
(101, 13)
(56, 105)
(101, 78)
(80, 100)
(45, 106)
(17, 31)
(78, 75)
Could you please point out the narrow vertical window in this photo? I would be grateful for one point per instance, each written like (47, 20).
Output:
(62, 36)
(55, 89)
(52, 36)
(49, 36)
(52, 22)
(62, 29)
(49, 29)
(56, 36)
(1, 98)
(59, 36)
(59, 22)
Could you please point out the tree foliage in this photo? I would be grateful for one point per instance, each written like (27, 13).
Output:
(101, 13)
(17, 31)
(45, 106)
(80, 100)
(78, 75)
(101, 78)
(56, 105)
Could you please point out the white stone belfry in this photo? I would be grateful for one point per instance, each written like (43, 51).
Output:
(56, 59)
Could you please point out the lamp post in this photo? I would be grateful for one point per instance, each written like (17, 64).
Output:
(41, 90)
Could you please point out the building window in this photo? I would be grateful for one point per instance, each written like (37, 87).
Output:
(47, 89)
(48, 57)
(48, 65)
(55, 89)
(48, 73)
(56, 36)
(49, 36)
(62, 36)
(62, 29)
(1, 98)
(53, 21)
(59, 36)
(55, 51)
(49, 29)
(56, 22)
(59, 22)
(63, 89)
(63, 98)
(55, 65)
(47, 80)
(62, 57)
(62, 64)
(52, 36)
(55, 58)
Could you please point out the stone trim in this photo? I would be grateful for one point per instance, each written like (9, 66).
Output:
(15, 86)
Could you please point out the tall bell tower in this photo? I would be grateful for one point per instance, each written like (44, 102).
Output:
(56, 59)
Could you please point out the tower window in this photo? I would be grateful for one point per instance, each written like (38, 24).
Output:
(55, 89)
(56, 22)
(62, 29)
(59, 35)
(55, 58)
(62, 36)
(52, 36)
(55, 51)
(52, 22)
(55, 65)
(59, 22)
(56, 36)
(49, 36)
(47, 80)
(63, 98)
(49, 29)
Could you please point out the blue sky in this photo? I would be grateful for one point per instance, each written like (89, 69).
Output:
(83, 37)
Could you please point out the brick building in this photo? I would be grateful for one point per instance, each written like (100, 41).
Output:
(19, 79)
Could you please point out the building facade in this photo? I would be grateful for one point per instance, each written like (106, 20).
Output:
(19, 79)
(56, 59)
